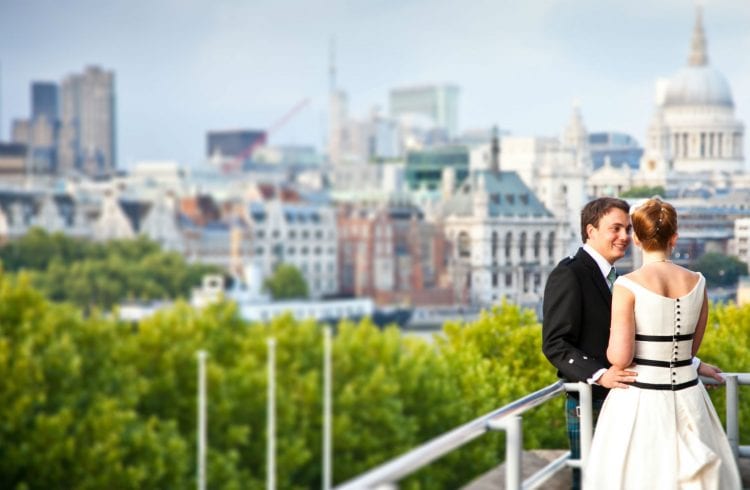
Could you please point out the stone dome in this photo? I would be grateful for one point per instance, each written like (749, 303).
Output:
(698, 85)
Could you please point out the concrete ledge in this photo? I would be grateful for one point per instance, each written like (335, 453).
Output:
(533, 461)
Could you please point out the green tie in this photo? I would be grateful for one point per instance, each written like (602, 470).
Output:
(611, 277)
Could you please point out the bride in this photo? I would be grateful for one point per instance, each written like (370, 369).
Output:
(661, 432)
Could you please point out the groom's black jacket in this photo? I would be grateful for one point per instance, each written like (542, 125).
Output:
(575, 328)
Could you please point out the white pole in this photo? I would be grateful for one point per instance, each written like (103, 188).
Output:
(202, 420)
(327, 384)
(513, 450)
(271, 409)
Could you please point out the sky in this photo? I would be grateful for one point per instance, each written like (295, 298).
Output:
(185, 67)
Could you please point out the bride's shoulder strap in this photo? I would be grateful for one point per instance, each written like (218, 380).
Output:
(627, 283)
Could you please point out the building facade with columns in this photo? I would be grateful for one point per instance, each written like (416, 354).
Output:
(694, 134)
(504, 242)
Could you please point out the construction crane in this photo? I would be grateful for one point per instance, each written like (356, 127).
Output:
(236, 164)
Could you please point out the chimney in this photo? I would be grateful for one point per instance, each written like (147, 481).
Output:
(495, 149)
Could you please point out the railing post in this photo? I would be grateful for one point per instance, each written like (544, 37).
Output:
(587, 421)
(202, 425)
(513, 448)
(733, 426)
(327, 410)
(271, 416)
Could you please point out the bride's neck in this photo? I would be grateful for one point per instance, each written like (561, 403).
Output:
(655, 256)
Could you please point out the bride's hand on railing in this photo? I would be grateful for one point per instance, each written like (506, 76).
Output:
(710, 371)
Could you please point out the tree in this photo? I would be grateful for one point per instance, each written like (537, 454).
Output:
(643, 191)
(286, 282)
(68, 403)
(720, 269)
(37, 248)
(91, 402)
(727, 345)
(101, 275)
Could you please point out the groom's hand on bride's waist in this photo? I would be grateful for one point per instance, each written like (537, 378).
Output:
(616, 377)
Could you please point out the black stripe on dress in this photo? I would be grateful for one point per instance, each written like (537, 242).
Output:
(663, 338)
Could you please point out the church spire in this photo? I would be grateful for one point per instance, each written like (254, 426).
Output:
(332, 64)
(698, 54)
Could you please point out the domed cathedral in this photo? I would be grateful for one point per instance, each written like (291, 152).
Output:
(694, 135)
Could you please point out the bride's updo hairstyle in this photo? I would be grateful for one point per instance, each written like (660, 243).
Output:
(654, 223)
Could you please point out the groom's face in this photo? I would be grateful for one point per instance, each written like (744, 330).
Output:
(611, 237)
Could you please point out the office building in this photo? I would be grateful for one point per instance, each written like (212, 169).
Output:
(437, 103)
(239, 143)
(620, 148)
(424, 169)
(87, 139)
(44, 101)
(12, 161)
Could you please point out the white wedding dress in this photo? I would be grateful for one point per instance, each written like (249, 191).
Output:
(662, 432)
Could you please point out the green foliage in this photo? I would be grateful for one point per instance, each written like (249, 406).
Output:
(726, 344)
(38, 248)
(68, 404)
(720, 269)
(286, 282)
(100, 275)
(90, 402)
(643, 191)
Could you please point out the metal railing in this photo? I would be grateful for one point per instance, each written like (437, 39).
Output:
(508, 419)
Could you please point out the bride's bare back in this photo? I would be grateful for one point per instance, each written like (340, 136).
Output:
(666, 279)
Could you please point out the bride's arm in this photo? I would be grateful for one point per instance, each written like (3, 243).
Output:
(700, 328)
(622, 328)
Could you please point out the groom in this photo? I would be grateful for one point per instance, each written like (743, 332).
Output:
(577, 308)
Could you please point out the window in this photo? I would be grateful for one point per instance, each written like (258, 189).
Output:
(551, 245)
(508, 243)
(464, 244)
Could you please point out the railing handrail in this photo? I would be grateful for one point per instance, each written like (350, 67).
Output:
(420, 456)
(742, 378)
(409, 462)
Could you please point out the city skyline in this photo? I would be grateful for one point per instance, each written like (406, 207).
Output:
(185, 68)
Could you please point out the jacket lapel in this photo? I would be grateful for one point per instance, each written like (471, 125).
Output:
(596, 275)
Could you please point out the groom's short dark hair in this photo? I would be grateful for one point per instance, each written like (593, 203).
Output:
(593, 211)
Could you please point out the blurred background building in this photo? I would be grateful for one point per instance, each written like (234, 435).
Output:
(87, 140)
